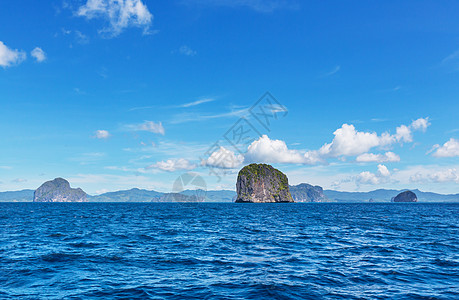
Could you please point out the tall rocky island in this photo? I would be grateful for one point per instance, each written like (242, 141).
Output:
(261, 183)
(406, 196)
(58, 190)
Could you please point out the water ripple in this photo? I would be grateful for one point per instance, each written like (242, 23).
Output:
(229, 251)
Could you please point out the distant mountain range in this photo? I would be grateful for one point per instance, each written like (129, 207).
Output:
(17, 196)
(301, 193)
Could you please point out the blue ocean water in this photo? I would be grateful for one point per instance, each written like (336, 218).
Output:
(229, 251)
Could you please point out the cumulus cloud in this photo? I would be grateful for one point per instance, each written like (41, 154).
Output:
(350, 142)
(381, 176)
(119, 14)
(102, 134)
(370, 157)
(347, 142)
(172, 165)
(272, 151)
(403, 134)
(449, 149)
(438, 176)
(10, 57)
(147, 126)
(38, 54)
(449, 175)
(223, 159)
(420, 124)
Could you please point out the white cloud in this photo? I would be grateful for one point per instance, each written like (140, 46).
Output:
(120, 14)
(420, 124)
(449, 149)
(38, 54)
(172, 165)
(223, 159)
(10, 57)
(403, 134)
(197, 102)
(350, 142)
(381, 176)
(347, 142)
(437, 176)
(449, 175)
(102, 134)
(272, 151)
(370, 157)
(185, 50)
(147, 126)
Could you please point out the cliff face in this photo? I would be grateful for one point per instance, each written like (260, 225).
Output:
(260, 183)
(406, 196)
(307, 193)
(58, 190)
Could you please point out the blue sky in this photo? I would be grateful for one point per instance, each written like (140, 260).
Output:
(119, 94)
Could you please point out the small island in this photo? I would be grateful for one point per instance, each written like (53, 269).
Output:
(261, 183)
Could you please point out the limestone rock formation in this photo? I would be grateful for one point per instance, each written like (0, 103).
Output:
(308, 193)
(261, 183)
(406, 196)
(58, 190)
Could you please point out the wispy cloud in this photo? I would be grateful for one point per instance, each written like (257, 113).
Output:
(102, 134)
(19, 180)
(187, 51)
(451, 57)
(262, 6)
(81, 38)
(332, 72)
(197, 102)
(185, 105)
(150, 126)
(452, 61)
(88, 158)
(194, 117)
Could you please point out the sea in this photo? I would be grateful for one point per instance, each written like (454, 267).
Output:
(229, 251)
